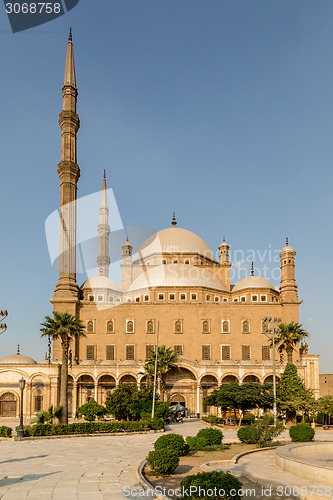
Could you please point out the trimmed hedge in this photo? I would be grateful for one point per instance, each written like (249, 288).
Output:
(92, 427)
(174, 441)
(163, 461)
(213, 436)
(228, 486)
(301, 432)
(246, 435)
(5, 431)
(213, 420)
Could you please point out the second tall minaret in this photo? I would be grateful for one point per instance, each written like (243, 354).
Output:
(103, 259)
(66, 293)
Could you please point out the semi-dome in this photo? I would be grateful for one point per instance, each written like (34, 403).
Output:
(252, 282)
(18, 359)
(99, 282)
(178, 275)
(174, 240)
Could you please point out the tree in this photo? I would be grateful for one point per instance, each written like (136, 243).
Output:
(91, 410)
(325, 406)
(292, 396)
(127, 401)
(166, 360)
(241, 397)
(66, 327)
(288, 337)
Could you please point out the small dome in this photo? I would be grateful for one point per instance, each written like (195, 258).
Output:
(169, 275)
(18, 359)
(174, 240)
(288, 248)
(252, 282)
(101, 282)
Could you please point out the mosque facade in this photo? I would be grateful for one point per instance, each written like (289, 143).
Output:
(173, 290)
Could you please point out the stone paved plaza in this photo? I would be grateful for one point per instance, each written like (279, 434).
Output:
(84, 467)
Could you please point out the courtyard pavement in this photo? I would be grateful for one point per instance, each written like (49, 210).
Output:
(88, 468)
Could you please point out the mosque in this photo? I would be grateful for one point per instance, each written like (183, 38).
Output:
(172, 288)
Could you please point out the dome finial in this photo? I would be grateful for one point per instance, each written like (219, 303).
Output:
(104, 175)
(174, 222)
(252, 269)
(18, 349)
(287, 241)
(70, 35)
(223, 239)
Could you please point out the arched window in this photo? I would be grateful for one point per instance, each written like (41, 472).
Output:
(130, 326)
(225, 326)
(90, 326)
(178, 326)
(110, 326)
(246, 326)
(205, 326)
(150, 326)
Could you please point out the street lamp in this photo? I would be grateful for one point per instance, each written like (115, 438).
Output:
(3, 315)
(20, 431)
(273, 321)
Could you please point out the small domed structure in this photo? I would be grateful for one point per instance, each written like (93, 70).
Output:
(252, 282)
(18, 359)
(100, 282)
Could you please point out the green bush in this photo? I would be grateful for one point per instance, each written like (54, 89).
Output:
(174, 441)
(213, 436)
(163, 461)
(227, 486)
(92, 427)
(91, 410)
(301, 432)
(248, 418)
(246, 435)
(213, 420)
(260, 432)
(5, 431)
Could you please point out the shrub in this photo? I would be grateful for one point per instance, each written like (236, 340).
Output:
(260, 432)
(5, 431)
(91, 410)
(224, 482)
(174, 441)
(301, 432)
(248, 418)
(213, 420)
(213, 436)
(163, 461)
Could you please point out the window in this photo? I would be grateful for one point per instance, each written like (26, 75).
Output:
(118, 299)
(225, 300)
(146, 298)
(205, 327)
(246, 326)
(235, 299)
(263, 298)
(246, 354)
(163, 261)
(150, 326)
(178, 349)
(175, 261)
(194, 296)
(206, 352)
(207, 297)
(216, 299)
(225, 352)
(172, 296)
(266, 353)
(137, 299)
(254, 298)
(187, 261)
(38, 403)
(243, 299)
(150, 349)
(130, 326)
(100, 298)
(161, 296)
(110, 351)
(225, 326)
(183, 296)
(91, 298)
(90, 352)
(130, 353)
(110, 326)
(111, 299)
(90, 326)
(179, 326)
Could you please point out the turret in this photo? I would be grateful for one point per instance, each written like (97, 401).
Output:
(225, 264)
(126, 266)
(103, 259)
(66, 293)
(288, 287)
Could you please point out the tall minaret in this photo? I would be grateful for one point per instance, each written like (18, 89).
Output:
(288, 287)
(66, 294)
(103, 259)
(225, 264)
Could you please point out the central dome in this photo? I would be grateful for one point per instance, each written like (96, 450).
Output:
(174, 240)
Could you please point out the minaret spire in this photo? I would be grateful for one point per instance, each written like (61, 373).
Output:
(67, 290)
(103, 259)
(174, 222)
(252, 269)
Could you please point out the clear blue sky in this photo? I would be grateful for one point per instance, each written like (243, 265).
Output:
(219, 110)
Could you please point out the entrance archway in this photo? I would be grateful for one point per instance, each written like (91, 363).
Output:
(127, 379)
(106, 384)
(229, 378)
(8, 405)
(253, 379)
(208, 384)
(85, 389)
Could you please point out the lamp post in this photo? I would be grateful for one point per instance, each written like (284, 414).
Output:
(20, 431)
(273, 321)
(3, 315)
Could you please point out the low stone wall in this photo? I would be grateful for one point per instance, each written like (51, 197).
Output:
(293, 458)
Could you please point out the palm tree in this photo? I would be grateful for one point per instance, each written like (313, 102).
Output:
(166, 360)
(66, 327)
(288, 337)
